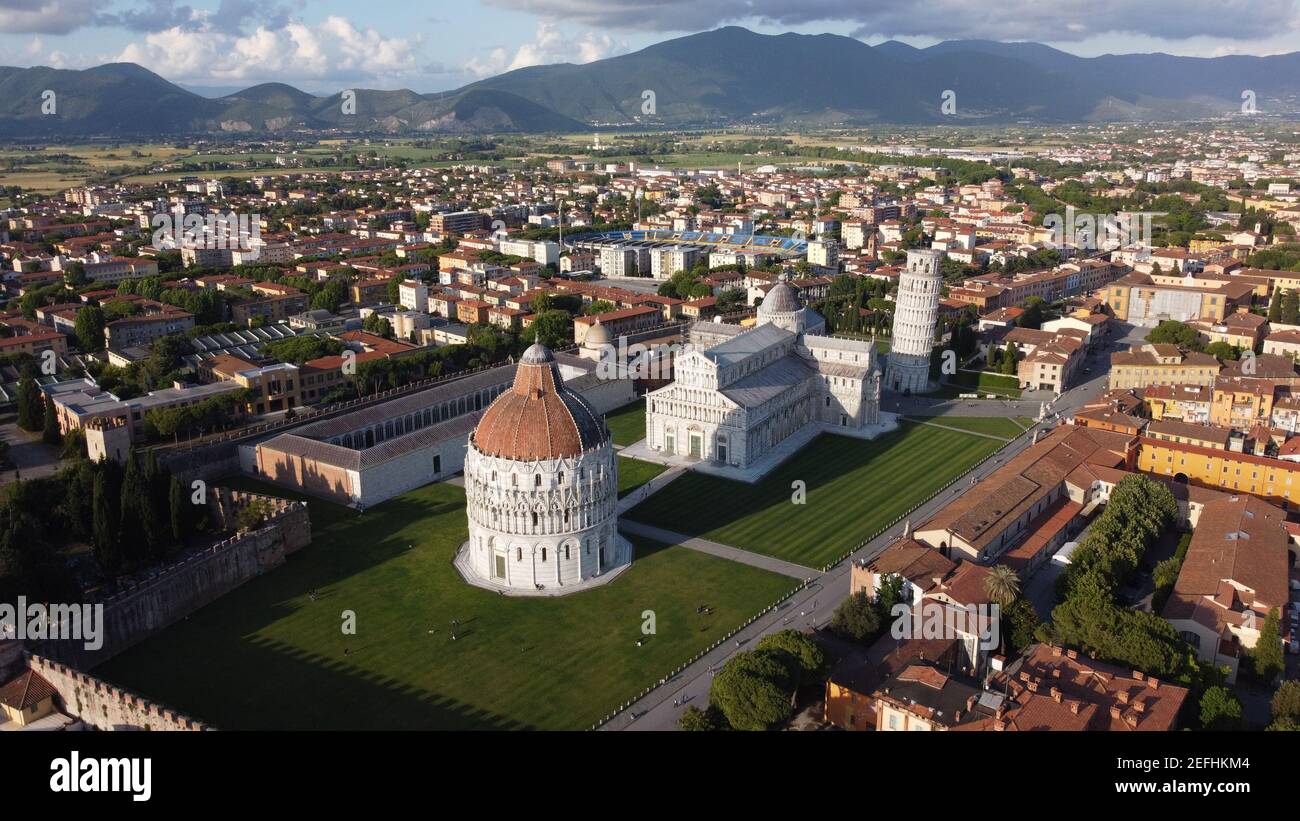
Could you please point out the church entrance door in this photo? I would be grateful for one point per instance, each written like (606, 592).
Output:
(697, 445)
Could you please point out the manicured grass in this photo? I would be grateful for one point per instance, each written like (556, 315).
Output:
(627, 424)
(633, 473)
(992, 425)
(265, 656)
(854, 487)
(986, 382)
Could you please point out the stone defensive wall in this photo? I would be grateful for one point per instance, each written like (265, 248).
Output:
(105, 707)
(148, 604)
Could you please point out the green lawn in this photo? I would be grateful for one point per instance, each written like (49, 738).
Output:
(993, 425)
(627, 424)
(985, 382)
(633, 473)
(854, 487)
(265, 656)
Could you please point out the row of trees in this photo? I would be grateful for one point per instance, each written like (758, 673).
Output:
(130, 516)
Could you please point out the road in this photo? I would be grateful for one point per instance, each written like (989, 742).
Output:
(813, 605)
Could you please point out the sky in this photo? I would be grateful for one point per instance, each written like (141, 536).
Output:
(323, 46)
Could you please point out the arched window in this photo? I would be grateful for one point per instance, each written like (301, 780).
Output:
(534, 519)
(519, 554)
(543, 554)
(537, 480)
(566, 552)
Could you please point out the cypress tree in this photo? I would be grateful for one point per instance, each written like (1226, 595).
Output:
(105, 525)
(50, 425)
(31, 409)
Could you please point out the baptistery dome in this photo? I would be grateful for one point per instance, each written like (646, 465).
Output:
(541, 488)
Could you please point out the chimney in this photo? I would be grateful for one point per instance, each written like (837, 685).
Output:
(1033, 686)
(1074, 707)
(1056, 672)
(1153, 683)
(1114, 711)
(1139, 675)
(999, 725)
(1056, 651)
(956, 716)
(1056, 694)
(970, 703)
(1074, 654)
(1123, 696)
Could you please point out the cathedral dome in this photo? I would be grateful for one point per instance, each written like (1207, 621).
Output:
(780, 300)
(538, 418)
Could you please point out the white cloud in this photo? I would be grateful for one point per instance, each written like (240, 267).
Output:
(331, 49)
(44, 16)
(951, 19)
(550, 45)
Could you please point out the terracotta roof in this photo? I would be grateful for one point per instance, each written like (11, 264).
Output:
(26, 691)
(538, 418)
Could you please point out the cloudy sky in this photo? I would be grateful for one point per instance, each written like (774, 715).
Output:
(325, 45)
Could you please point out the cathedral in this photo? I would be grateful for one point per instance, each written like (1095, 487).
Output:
(541, 485)
(739, 393)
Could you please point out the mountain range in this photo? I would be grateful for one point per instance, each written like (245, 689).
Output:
(727, 76)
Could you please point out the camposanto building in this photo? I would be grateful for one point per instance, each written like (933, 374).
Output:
(541, 485)
(740, 393)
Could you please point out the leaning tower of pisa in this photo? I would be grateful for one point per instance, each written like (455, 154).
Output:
(916, 311)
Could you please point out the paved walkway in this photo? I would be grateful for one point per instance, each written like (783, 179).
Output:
(720, 550)
(961, 430)
(642, 493)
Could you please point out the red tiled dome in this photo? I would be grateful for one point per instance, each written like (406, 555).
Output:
(538, 418)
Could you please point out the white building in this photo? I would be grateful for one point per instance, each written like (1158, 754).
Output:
(916, 312)
(541, 486)
(664, 262)
(413, 295)
(741, 392)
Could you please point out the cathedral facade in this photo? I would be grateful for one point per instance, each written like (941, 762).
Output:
(739, 393)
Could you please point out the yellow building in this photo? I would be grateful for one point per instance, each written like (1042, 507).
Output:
(27, 699)
(1148, 298)
(1274, 479)
(1241, 402)
(1159, 364)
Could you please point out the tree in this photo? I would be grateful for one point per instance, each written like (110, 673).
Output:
(805, 657)
(1173, 332)
(1021, 620)
(551, 328)
(252, 515)
(104, 507)
(1002, 585)
(180, 508)
(753, 690)
(1291, 308)
(707, 720)
(1275, 306)
(1286, 706)
(50, 433)
(31, 405)
(1220, 710)
(1266, 656)
(1010, 359)
(90, 328)
(856, 618)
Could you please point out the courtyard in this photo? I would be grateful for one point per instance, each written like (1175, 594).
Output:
(266, 656)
